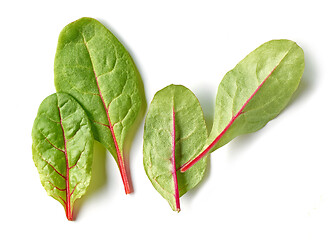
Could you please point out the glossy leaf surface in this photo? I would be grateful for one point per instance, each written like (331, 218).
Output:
(174, 132)
(62, 149)
(95, 68)
(254, 92)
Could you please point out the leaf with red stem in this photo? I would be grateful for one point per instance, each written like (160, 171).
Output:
(95, 68)
(174, 132)
(254, 92)
(62, 149)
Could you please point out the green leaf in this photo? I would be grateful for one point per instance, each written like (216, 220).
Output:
(95, 68)
(62, 149)
(174, 132)
(254, 92)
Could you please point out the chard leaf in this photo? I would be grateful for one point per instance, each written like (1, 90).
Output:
(254, 92)
(174, 132)
(62, 149)
(95, 68)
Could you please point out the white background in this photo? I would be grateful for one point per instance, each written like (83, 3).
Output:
(276, 183)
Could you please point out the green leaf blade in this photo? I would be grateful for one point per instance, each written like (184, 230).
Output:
(271, 73)
(95, 68)
(62, 149)
(174, 130)
(254, 92)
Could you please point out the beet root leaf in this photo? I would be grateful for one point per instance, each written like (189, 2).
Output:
(95, 68)
(254, 92)
(62, 149)
(174, 132)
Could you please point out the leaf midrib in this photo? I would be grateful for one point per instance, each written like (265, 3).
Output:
(173, 160)
(110, 126)
(68, 193)
(190, 163)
